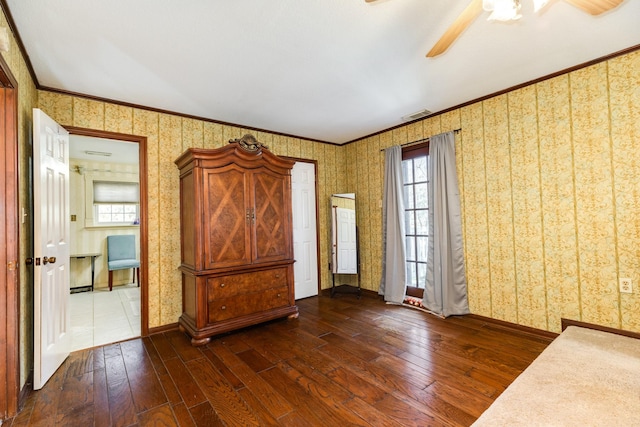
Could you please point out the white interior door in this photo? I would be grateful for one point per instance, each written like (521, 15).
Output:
(305, 242)
(52, 332)
(346, 250)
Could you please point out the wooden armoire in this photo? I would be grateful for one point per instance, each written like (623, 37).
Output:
(236, 238)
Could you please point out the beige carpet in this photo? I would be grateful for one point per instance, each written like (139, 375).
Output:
(584, 378)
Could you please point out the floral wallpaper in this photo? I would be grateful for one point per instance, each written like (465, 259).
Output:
(550, 188)
(548, 178)
(27, 99)
(168, 136)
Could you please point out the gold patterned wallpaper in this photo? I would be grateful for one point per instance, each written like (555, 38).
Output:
(27, 99)
(549, 180)
(167, 137)
(549, 177)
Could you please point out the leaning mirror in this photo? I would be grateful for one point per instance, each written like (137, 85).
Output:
(344, 242)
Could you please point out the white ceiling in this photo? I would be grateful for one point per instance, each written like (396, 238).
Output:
(331, 70)
(112, 151)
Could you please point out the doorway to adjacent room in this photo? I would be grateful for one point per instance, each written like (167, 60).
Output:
(108, 193)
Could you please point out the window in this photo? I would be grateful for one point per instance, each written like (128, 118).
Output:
(416, 203)
(116, 202)
(116, 214)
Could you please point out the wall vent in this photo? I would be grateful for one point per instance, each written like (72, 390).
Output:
(417, 115)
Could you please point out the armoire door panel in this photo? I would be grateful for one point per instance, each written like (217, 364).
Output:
(227, 237)
(272, 229)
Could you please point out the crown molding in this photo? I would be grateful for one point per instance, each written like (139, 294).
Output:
(509, 89)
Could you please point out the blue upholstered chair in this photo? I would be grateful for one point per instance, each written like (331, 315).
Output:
(121, 255)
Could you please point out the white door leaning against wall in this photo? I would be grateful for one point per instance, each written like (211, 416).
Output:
(52, 332)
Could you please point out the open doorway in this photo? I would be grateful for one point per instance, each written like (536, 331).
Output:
(107, 199)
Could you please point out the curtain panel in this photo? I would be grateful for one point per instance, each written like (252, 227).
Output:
(446, 288)
(392, 283)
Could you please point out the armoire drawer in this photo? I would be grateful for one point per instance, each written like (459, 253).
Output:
(241, 305)
(242, 283)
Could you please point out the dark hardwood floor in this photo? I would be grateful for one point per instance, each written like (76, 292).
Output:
(343, 362)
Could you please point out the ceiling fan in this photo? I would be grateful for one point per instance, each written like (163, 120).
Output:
(505, 10)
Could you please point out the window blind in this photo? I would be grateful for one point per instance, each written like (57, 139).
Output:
(115, 192)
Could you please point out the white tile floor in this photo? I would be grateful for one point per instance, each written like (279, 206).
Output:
(102, 317)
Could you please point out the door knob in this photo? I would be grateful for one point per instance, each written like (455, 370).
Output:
(51, 260)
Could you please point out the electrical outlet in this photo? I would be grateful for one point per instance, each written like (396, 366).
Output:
(626, 286)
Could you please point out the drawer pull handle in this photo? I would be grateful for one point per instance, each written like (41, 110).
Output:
(222, 285)
(224, 307)
(277, 276)
(278, 295)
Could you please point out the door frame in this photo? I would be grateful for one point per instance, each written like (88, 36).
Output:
(144, 220)
(315, 171)
(9, 243)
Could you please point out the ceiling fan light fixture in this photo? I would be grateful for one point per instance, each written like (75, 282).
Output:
(503, 10)
(508, 10)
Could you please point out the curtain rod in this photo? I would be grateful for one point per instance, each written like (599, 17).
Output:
(421, 140)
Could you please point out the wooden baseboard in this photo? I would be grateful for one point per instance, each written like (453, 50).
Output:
(363, 292)
(547, 335)
(540, 333)
(569, 322)
(163, 328)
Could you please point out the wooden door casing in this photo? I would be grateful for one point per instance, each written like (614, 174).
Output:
(141, 141)
(9, 238)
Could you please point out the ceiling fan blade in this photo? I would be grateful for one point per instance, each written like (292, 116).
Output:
(459, 25)
(595, 7)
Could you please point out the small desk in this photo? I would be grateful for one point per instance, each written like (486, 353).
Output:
(92, 257)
